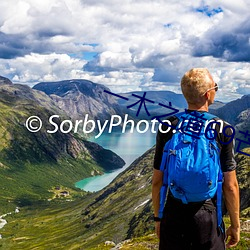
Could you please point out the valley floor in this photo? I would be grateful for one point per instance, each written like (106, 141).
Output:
(57, 225)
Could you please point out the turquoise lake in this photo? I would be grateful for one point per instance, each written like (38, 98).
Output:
(129, 146)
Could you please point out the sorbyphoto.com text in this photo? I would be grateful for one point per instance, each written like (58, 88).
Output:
(120, 124)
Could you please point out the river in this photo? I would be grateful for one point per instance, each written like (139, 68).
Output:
(129, 146)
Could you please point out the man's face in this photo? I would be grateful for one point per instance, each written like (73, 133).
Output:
(212, 92)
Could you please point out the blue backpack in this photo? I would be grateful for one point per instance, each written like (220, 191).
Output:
(190, 164)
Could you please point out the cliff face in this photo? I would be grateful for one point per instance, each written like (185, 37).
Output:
(80, 97)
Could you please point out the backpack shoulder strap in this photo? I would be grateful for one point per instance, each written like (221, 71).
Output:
(209, 116)
(206, 115)
(178, 115)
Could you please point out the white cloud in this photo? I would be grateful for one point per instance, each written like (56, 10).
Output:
(140, 44)
(34, 68)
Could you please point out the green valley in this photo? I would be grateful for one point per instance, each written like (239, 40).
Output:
(38, 172)
(123, 210)
(32, 163)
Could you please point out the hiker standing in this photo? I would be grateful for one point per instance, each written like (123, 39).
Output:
(193, 169)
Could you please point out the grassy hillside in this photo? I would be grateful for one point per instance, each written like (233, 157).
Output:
(31, 164)
(150, 242)
(86, 222)
(58, 227)
(123, 210)
(37, 169)
(54, 225)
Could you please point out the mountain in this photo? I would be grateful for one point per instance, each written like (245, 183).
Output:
(216, 105)
(121, 211)
(158, 97)
(243, 175)
(163, 97)
(80, 97)
(31, 164)
(231, 111)
(31, 169)
(237, 113)
(4, 80)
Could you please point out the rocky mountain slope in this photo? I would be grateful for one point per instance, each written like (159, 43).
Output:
(80, 97)
(120, 211)
(232, 110)
(158, 97)
(126, 205)
(237, 113)
(243, 175)
(31, 163)
(4, 80)
(123, 210)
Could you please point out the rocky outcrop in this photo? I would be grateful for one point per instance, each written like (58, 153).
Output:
(4, 80)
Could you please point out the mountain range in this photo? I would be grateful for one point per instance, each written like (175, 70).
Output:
(237, 113)
(4, 80)
(35, 163)
(80, 97)
(231, 112)
(32, 163)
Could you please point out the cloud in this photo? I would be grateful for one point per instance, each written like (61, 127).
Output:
(34, 68)
(126, 45)
(37, 17)
(12, 45)
(230, 45)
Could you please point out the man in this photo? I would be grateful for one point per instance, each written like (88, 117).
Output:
(194, 225)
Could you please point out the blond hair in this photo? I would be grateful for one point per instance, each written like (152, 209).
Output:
(195, 83)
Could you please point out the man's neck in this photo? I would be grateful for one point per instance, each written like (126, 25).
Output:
(203, 107)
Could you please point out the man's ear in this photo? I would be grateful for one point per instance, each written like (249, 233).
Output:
(207, 95)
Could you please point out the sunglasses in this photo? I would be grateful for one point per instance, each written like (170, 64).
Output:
(216, 87)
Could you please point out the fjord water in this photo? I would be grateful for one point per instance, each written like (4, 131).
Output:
(128, 146)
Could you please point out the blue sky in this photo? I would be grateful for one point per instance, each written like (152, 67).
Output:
(126, 45)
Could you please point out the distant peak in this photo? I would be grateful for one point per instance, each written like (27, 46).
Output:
(4, 80)
(61, 88)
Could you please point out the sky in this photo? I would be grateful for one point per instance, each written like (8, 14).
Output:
(127, 45)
